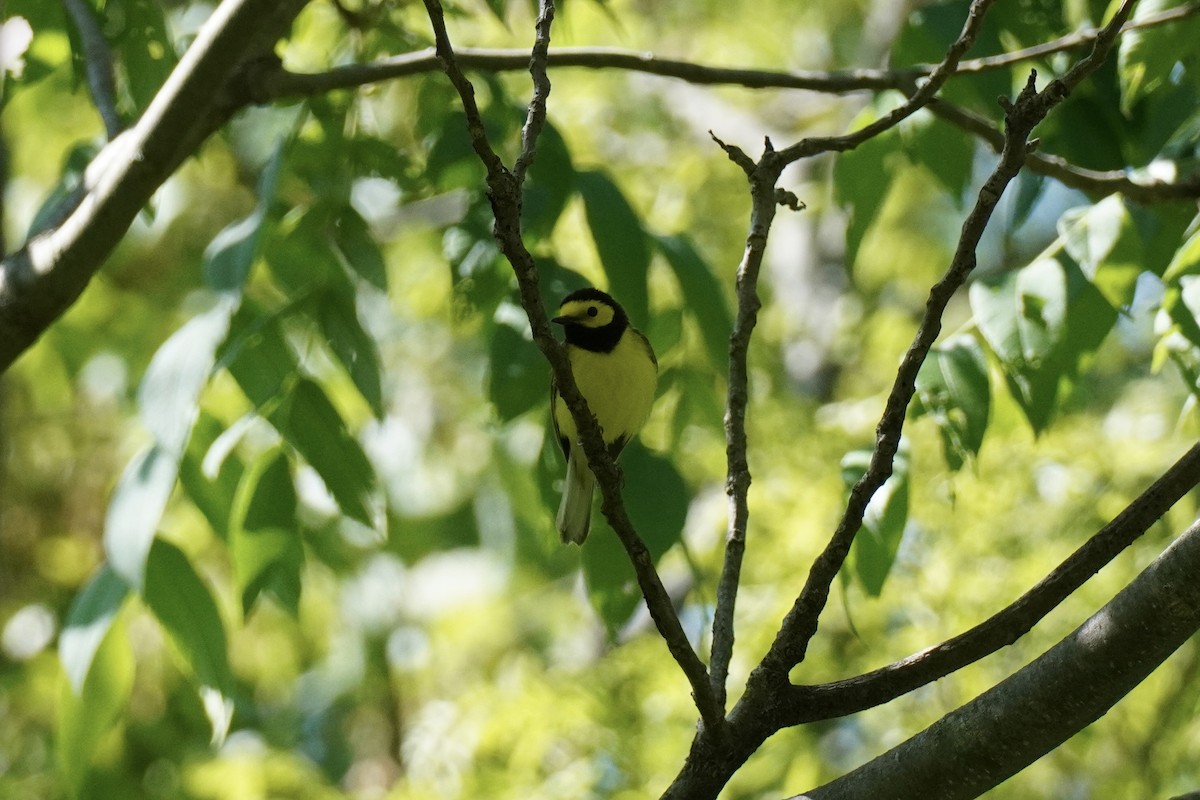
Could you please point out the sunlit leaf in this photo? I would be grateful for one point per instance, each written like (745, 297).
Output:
(89, 714)
(183, 605)
(1186, 260)
(88, 621)
(355, 242)
(265, 540)
(212, 494)
(135, 509)
(1040, 321)
(952, 389)
(169, 394)
(1147, 56)
(353, 346)
(621, 241)
(145, 46)
(878, 541)
(231, 253)
(1104, 241)
(861, 180)
(311, 424)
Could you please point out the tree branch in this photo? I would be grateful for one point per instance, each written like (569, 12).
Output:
(837, 699)
(1092, 181)
(285, 85)
(1021, 117)
(98, 63)
(505, 195)
(1074, 683)
(40, 281)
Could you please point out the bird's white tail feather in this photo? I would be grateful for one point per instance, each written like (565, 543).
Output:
(575, 511)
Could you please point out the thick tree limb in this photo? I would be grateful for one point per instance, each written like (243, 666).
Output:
(1073, 684)
(40, 281)
(505, 194)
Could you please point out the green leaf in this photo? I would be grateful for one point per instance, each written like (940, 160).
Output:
(878, 541)
(88, 622)
(311, 424)
(145, 47)
(353, 346)
(231, 253)
(1186, 260)
(1040, 321)
(1105, 242)
(656, 499)
(258, 356)
(87, 715)
(1147, 56)
(265, 540)
(211, 494)
(519, 377)
(621, 241)
(703, 296)
(304, 257)
(184, 607)
(551, 184)
(135, 509)
(861, 180)
(353, 239)
(952, 388)
(169, 395)
(942, 149)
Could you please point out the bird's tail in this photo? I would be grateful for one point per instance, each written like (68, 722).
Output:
(575, 511)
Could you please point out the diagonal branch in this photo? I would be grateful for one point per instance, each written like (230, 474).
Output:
(505, 195)
(1085, 180)
(837, 699)
(762, 177)
(41, 280)
(290, 85)
(1067, 688)
(1029, 109)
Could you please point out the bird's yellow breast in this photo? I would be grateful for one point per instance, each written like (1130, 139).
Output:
(619, 387)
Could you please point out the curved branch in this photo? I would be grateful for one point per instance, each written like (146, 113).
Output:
(505, 194)
(1085, 180)
(283, 85)
(837, 699)
(1066, 689)
(1021, 117)
(40, 281)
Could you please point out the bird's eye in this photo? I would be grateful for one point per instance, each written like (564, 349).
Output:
(592, 311)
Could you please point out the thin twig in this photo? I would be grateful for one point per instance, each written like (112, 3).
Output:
(807, 148)
(535, 120)
(98, 64)
(764, 198)
(288, 84)
(1095, 182)
(504, 192)
(1021, 115)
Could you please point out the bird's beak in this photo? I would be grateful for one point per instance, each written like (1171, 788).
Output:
(563, 320)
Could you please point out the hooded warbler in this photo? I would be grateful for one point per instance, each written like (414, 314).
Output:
(617, 373)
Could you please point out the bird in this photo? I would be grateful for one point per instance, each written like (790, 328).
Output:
(617, 373)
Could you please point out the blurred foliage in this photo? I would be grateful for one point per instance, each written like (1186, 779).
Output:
(276, 495)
